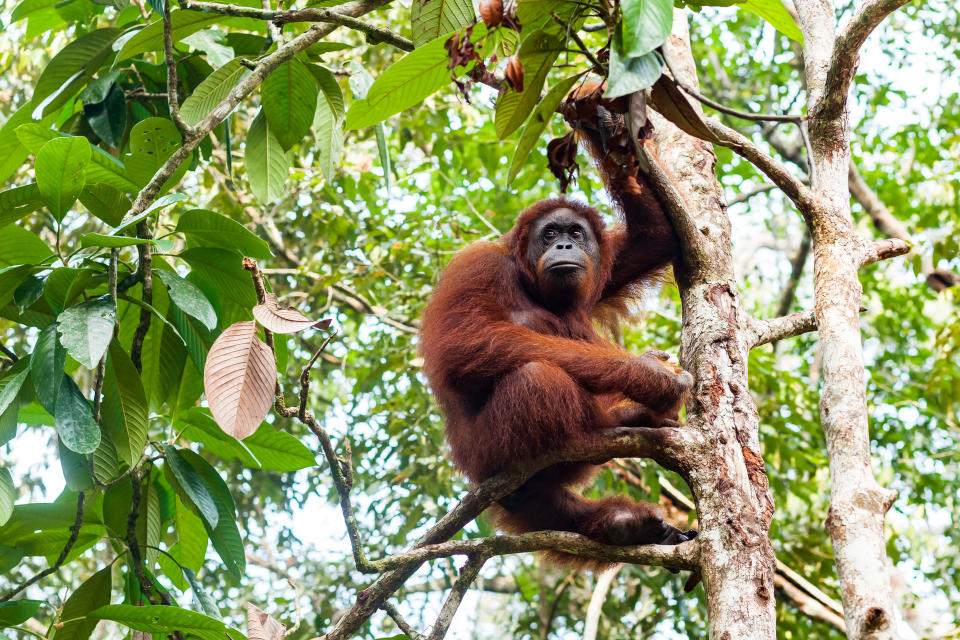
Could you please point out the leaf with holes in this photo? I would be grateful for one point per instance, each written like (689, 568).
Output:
(261, 626)
(152, 141)
(239, 379)
(60, 168)
(284, 319)
(289, 98)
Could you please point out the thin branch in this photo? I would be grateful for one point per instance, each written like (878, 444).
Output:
(597, 598)
(467, 575)
(144, 257)
(778, 173)
(339, 18)
(72, 540)
(9, 353)
(843, 65)
(745, 115)
(796, 270)
(102, 365)
(746, 195)
(884, 250)
(404, 626)
(173, 98)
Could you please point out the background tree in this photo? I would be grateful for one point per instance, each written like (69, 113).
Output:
(148, 148)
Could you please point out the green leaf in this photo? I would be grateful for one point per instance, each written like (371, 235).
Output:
(212, 90)
(108, 117)
(124, 407)
(537, 54)
(75, 61)
(17, 611)
(9, 558)
(211, 229)
(159, 203)
(106, 202)
(198, 339)
(537, 123)
(207, 603)
(267, 163)
(226, 536)
(328, 132)
(279, 450)
(193, 485)
(75, 425)
(17, 202)
(646, 25)
(776, 14)
(408, 81)
(86, 330)
(434, 18)
(196, 424)
(289, 98)
(160, 619)
(329, 87)
(191, 536)
(220, 275)
(60, 172)
(29, 291)
(75, 468)
(8, 495)
(46, 368)
(183, 23)
(29, 7)
(10, 390)
(189, 298)
(152, 141)
(104, 240)
(90, 595)
(11, 278)
(106, 463)
(20, 246)
(628, 75)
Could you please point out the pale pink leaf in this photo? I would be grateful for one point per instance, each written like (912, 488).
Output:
(260, 626)
(284, 319)
(239, 379)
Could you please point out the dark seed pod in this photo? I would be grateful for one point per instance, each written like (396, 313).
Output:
(514, 74)
(491, 11)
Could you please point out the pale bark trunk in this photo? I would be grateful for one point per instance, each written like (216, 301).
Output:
(725, 471)
(858, 503)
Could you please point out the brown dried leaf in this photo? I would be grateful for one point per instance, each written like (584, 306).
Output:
(514, 74)
(260, 626)
(239, 379)
(673, 104)
(284, 319)
(562, 159)
(491, 12)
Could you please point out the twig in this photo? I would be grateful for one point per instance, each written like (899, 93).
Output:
(598, 68)
(72, 540)
(9, 353)
(745, 115)
(796, 270)
(144, 256)
(173, 98)
(746, 195)
(374, 34)
(102, 365)
(467, 575)
(404, 626)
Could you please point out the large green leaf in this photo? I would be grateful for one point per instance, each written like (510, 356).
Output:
(60, 168)
(193, 486)
(183, 23)
(537, 55)
(197, 425)
(628, 75)
(123, 412)
(10, 390)
(11, 279)
(212, 90)
(434, 18)
(46, 367)
(328, 132)
(90, 595)
(108, 117)
(537, 123)
(278, 450)
(226, 536)
(80, 57)
(8, 495)
(106, 202)
(86, 330)
(289, 98)
(9, 558)
(20, 246)
(408, 81)
(267, 163)
(75, 425)
(189, 298)
(220, 275)
(329, 88)
(212, 229)
(17, 611)
(75, 468)
(17, 202)
(191, 536)
(160, 619)
(776, 14)
(646, 25)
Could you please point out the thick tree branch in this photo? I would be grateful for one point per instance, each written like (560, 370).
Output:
(781, 328)
(884, 250)
(843, 65)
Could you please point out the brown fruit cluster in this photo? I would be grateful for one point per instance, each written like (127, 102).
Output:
(491, 12)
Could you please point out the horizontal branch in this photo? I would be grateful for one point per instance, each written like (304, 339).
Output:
(843, 65)
(681, 556)
(743, 196)
(331, 16)
(884, 250)
(766, 331)
(778, 172)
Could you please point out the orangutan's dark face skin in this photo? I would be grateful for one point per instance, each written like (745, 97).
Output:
(563, 251)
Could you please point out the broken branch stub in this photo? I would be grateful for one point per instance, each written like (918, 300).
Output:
(239, 379)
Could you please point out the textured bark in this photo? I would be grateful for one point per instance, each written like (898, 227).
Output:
(725, 470)
(858, 502)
